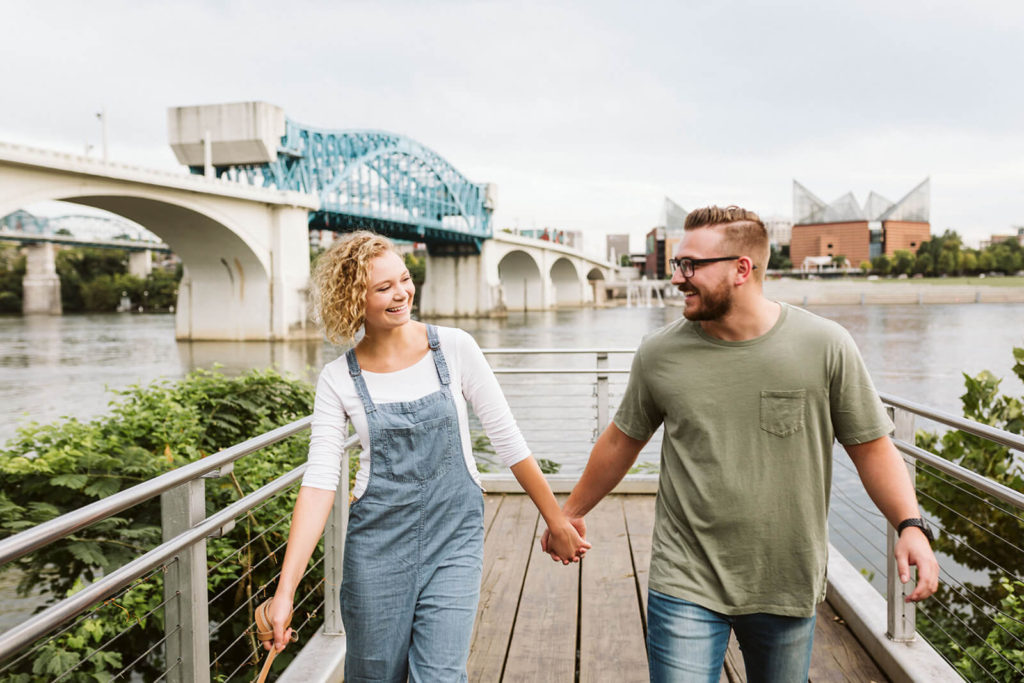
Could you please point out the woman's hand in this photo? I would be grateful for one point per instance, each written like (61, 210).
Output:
(565, 541)
(280, 614)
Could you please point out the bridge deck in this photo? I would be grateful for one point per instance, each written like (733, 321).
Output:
(541, 621)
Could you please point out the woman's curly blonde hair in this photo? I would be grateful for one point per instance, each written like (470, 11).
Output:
(340, 280)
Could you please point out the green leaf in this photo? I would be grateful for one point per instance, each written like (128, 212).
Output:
(69, 480)
(56, 662)
(88, 552)
(101, 488)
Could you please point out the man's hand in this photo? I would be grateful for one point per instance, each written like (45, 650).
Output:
(912, 548)
(566, 543)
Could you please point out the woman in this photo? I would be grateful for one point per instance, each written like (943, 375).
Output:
(414, 548)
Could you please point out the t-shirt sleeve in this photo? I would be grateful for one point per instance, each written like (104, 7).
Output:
(638, 416)
(858, 415)
(329, 431)
(482, 391)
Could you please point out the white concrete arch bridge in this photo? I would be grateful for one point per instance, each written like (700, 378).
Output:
(245, 248)
(513, 273)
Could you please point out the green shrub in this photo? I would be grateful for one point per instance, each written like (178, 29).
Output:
(975, 527)
(48, 470)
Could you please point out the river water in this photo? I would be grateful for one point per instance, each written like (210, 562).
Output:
(65, 366)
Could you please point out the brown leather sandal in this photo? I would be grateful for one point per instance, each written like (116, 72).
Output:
(265, 632)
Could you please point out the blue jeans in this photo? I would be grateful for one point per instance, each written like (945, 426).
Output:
(686, 643)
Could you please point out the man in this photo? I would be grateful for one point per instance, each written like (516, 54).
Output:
(752, 394)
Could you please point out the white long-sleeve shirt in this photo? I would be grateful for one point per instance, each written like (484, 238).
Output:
(337, 403)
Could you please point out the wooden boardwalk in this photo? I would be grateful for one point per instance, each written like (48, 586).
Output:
(541, 621)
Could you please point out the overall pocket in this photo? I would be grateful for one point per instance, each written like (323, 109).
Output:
(782, 412)
(418, 453)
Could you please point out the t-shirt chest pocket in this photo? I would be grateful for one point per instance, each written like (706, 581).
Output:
(782, 412)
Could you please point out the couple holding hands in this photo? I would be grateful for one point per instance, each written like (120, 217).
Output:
(751, 392)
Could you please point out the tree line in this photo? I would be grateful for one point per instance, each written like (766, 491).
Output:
(946, 255)
(941, 255)
(91, 281)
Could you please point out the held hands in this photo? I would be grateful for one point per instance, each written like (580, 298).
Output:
(566, 541)
(912, 548)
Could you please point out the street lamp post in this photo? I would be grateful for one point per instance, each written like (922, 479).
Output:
(102, 116)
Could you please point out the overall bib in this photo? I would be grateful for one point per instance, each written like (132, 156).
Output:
(414, 550)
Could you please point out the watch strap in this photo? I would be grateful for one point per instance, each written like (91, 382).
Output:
(919, 523)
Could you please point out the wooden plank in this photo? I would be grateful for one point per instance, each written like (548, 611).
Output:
(491, 504)
(640, 525)
(837, 655)
(611, 632)
(506, 553)
(543, 644)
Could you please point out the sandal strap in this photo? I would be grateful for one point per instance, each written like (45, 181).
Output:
(264, 629)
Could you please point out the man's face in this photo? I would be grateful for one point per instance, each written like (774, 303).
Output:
(709, 291)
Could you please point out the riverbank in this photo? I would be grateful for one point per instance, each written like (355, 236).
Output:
(919, 291)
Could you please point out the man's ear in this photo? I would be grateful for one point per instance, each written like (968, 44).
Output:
(744, 269)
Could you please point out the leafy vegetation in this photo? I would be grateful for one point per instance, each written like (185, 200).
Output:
(91, 280)
(12, 271)
(778, 258)
(48, 470)
(979, 533)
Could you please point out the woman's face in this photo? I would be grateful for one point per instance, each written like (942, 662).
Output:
(389, 292)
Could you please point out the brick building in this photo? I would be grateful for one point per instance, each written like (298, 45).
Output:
(660, 243)
(859, 233)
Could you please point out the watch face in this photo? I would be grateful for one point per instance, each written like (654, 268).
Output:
(920, 524)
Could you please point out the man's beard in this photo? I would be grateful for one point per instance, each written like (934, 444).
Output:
(714, 304)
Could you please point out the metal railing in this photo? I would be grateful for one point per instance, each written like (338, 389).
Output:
(956, 614)
(182, 563)
(584, 383)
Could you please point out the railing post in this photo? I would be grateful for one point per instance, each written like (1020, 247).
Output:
(901, 615)
(334, 553)
(186, 613)
(602, 393)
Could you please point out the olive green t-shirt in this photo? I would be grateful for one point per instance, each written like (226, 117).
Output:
(746, 462)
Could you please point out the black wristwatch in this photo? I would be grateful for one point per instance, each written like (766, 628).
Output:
(920, 524)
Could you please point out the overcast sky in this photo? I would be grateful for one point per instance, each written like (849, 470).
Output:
(585, 114)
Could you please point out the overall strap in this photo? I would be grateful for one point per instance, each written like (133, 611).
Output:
(357, 379)
(435, 351)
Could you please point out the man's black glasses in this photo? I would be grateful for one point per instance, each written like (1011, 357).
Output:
(687, 265)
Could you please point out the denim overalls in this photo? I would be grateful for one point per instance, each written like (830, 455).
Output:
(414, 550)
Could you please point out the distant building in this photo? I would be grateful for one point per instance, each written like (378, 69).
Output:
(858, 233)
(780, 229)
(615, 247)
(661, 241)
(1005, 237)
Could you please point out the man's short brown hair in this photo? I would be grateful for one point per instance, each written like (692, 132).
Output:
(743, 232)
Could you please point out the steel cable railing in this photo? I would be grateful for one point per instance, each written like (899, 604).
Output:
(92, 614)
(949, 661)
(976, 519)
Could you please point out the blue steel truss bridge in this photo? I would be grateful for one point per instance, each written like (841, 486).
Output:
(364, 179)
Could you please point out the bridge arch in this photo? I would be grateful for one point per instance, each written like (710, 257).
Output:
(521, 281)
(246, 262)
(596, 280)
(565, 282)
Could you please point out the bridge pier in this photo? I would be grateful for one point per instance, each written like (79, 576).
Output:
(458, 286)
(41, 285)
(140, 263)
